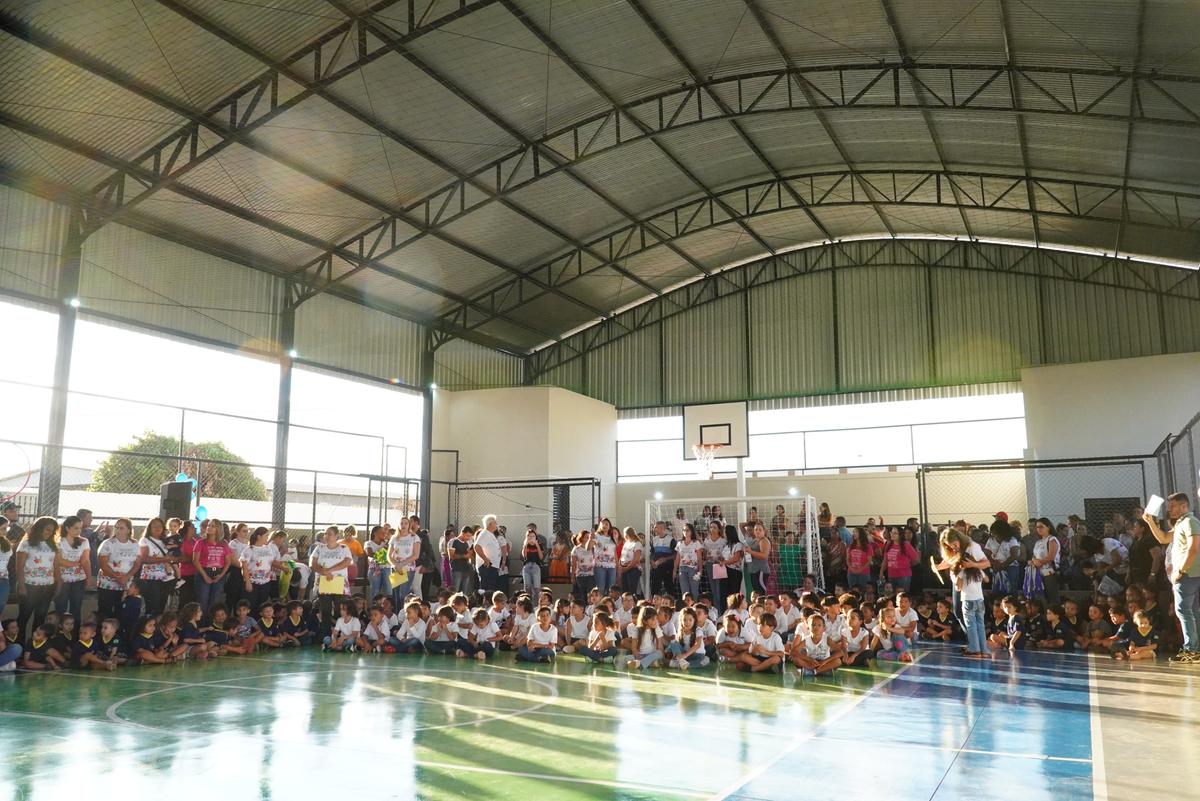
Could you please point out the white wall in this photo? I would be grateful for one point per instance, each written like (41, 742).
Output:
(1113, 408)
(524, 432)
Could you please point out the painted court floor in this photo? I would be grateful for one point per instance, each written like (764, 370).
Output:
(325, 726)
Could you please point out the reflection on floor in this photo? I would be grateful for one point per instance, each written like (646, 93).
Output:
(283, 725)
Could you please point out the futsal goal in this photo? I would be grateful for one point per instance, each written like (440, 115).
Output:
(790, 523)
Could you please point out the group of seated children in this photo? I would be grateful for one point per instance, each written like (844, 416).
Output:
(760, 633)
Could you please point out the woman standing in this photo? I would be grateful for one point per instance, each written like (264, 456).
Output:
(835, 561)
(604, 546)
(734, 560)
(1044, 564)
(378, 568)
(716, 551)
(629, 571)
(560, 557)
(6, 553)
(583, 566)
(187, 565)
(212, 559)
(688, 563)
(404, 549)
(118, 563)
(331, 559)
(531, 563)
(73, 566)
(35, 581)
(759, 551)
(156, 575)
(235, 581)
(1003, 549)
(898, 559)
(966, 562)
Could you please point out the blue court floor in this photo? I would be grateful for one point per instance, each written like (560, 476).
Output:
(325, 726)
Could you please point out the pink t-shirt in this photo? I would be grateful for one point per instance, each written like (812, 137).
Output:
(858, 561)
(212, 557)
(900, 560)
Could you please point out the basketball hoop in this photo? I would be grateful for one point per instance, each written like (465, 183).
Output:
(705, 456)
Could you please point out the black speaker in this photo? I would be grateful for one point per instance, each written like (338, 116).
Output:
(175, 500)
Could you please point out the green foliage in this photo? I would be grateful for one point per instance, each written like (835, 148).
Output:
(139, 474)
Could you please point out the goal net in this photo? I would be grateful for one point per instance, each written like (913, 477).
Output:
(790, 523)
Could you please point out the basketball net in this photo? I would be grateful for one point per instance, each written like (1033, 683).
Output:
(705, 455)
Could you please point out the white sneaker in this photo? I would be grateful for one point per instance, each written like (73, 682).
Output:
(569, 649)
(11, 666)
(683, 664)
(705, 661)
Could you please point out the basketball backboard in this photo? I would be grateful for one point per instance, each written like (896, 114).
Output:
(725, 425)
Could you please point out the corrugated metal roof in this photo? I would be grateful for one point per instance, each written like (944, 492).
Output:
(890, 346)
(345, 336)
(32, 231)
(629, 371)
(280, 27)
(464, 365)
(704, 353)
(564, 202)
(1091, 323)
(792, 337)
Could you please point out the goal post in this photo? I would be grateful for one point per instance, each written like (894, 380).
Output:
(790, 522)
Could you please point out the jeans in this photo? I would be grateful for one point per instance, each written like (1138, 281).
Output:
(460, 580)
(10, 654)
(714, 589)
(400, 591)
(902, 583)
(582, 586)
(531, 574)
(1050, 583)
(4, 587)
(486, 648)
(346, 645)
(410, 646)
(605, 578)
(857, 580)
(901, 645)
(697, 659)
(972, 612)
(34, 605)
(70, 598)
(649, 659)
(689, 581)
(378, 583)
(631, 581)
(1187, 607)
(489, 578)
(526, 654)
(206, 594)
(441, 647)
(596, 656)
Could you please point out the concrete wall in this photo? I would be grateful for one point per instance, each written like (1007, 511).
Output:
(1112, 408)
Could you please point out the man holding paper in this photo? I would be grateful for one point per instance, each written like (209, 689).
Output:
(487, 557)
(1184, 540)
(330, 560)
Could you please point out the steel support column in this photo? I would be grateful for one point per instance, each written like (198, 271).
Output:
(50, 478)
(283, 416)
(426, 428)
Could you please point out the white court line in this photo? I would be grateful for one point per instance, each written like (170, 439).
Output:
(742, 781)
(1099, 780)
(977, 751)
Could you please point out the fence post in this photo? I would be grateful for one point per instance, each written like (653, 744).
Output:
(50, 478)
(426, 427)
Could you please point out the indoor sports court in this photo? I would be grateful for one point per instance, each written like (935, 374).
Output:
(606, 399)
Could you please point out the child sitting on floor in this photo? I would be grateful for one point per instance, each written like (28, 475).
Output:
(812, 654)
(889, 642)
(542, 640)
(346, 630)
(766, 648)
(409, 638)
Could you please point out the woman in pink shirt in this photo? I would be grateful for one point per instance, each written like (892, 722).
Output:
(858, 559)
(211, 560)
(898, 559)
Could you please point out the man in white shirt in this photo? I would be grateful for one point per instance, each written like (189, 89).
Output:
(1184, 540)
(487, 556)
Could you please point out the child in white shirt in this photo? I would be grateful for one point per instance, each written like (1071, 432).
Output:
(377, 633)
(409, 636)
(766, 649)
(835, 626)
(482, 636)
(602, 640)
(498, 611)
(730, 642)
(542, 639)
(648, 639)
(443, 636)
(812, 653)
(576, 629)
(858, 640)
(522, 622)
(687, 650)
(707, 631)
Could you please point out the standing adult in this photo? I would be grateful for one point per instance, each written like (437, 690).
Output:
(448, 535)
(532, 554)
(629, 568)
(35, 575)
(560, 555)
(91, 535)
(735, 560)
(662, 559)
(460, 551)
(502, 572)
(1184, 542)
(9, 525)
(212, 559)
(759, 552)
(187, 565)
(688, 562)
(1003, 550)
(898, 559)
(966, 562)
(858, 559)
(349, 538)
(487, 557)
(716, 551)
(427, 568)
(6, 554)
(1046, 554)
(73, 567)
(1145, 557)
(156, 576)
(118, 558)
(331, 559)
(583, 567)
(604, 547)
(235, 581)
(404, 549)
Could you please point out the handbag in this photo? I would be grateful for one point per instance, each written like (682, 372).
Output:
(1034, 586)
(1109, 586)
(720, 571)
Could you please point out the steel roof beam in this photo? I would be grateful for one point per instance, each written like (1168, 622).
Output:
(811, 96)
(1038, 263)
(1134, 102)
(919, 92)
(310, 281)
(356, 243)
(1014, 89)
(981, 191)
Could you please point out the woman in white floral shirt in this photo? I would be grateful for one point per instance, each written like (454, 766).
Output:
(157, 574)
(74, 566)
(35, 583)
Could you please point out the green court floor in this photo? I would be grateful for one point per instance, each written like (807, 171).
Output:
(294, 724)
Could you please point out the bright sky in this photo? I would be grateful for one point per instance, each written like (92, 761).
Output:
(138, 366)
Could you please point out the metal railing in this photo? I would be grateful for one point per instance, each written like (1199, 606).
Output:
(1178, 460)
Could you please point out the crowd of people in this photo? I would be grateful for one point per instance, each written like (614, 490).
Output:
(175, 593)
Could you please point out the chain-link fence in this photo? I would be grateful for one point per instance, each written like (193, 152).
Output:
(1092, 489)
(1178, 457)
(116, 484)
